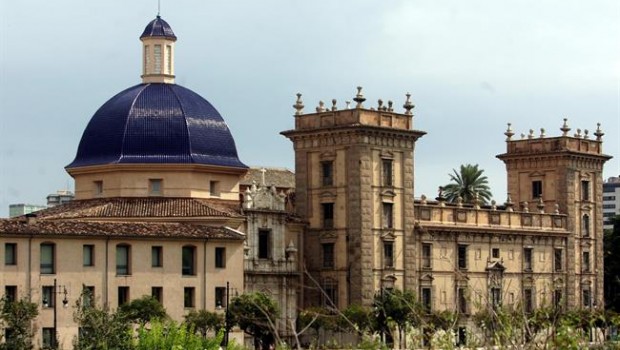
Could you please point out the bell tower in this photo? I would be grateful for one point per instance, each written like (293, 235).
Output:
(354, 173)
(158, 52)
(565, 174)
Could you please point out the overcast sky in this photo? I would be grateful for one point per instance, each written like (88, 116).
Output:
(471, 66)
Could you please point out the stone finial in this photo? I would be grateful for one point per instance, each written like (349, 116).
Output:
(299, 105)
(476, 201)
(440, 198)
(291, 251)
(390, 106)
(565, 129)
(525, 207)
(585, 134)
(459, 201)
(509, 204)
(379, 104)
(359, 98)
(509, 133)
(531, 134)
(321, 107)
(578, 134)
(557, 209)
(522, 136)
(540, 205)
(347, 104)
(542, 133)
(408, 106)
(263, 171)
(423, 200)
(334, 106)
(599, 133)
(493, 205)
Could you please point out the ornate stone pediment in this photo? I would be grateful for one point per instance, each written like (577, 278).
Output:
(388, 236)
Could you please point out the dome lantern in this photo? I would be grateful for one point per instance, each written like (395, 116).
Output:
(158, 52)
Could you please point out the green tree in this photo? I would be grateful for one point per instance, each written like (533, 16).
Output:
(170, 335)
(17, 317)
(611, 243)
(203, 321)
(467, 183)
(397, 307)
(143, 310)
(100, 329)
(256, 314)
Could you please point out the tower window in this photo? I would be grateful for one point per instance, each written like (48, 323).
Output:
(328, 255)
(585, 190)
(157, 53)
(147, 58)
(537, 189)
(388, 254)
(264, 244)
(585, 225)
(387, 174)
(585, 261)
(462, 257)
(328, 215)
(327, 173)
(557, 259)
(155, 187)
(169, 59)
(495, 253)
(388, 215)
(426, 255)
(527, 259)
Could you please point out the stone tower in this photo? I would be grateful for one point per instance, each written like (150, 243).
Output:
(565, 174)
(354, 187)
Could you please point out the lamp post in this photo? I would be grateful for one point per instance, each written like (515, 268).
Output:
(65, 303)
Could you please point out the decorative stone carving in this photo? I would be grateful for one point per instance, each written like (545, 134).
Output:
(263, 197)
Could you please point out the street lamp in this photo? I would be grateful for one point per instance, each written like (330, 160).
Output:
(65, 304)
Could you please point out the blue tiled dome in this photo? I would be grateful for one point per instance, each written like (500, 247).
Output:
(157, 123)
(158, 27)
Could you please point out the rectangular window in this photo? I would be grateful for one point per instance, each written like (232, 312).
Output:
(585, 225)
(528, 300)
(157, 256)
(495, 253)
(328, 215)
(220, 297)
(264, 244)
(123, 257)
(557, 259)
(330, 299)
(220, 257)
(155, 187)
(147, 59)
(47, 258)
(427, 255)
(585, 190)
(462, 300)
(88, 255)
(98, 188)
(10, 293)
(123, 295)
(48, 296)
(557, 298)
(462, 257)
(189, 295)
(328, 255)
(427, 300)
(586, 298)
(189, 261)
(157, 53)
(48, 338)
(327, 173)
(388, 215)
(88, 296)
(169, 59)
(527, 259)
(496, 297)
(585, 261)
(10, 254)
(537, 189)
(214, 188)
(158, 294)
(387, 176)
(388, 254)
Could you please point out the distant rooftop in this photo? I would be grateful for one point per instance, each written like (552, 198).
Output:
(280, 177)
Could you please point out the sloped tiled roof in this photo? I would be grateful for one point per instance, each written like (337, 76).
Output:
(280, 177)
(115, 229)
(142, 207)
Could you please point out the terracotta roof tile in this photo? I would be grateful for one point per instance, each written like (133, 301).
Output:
(142, 207)
(44, 227)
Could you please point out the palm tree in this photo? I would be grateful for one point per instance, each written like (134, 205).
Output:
(466, 184)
